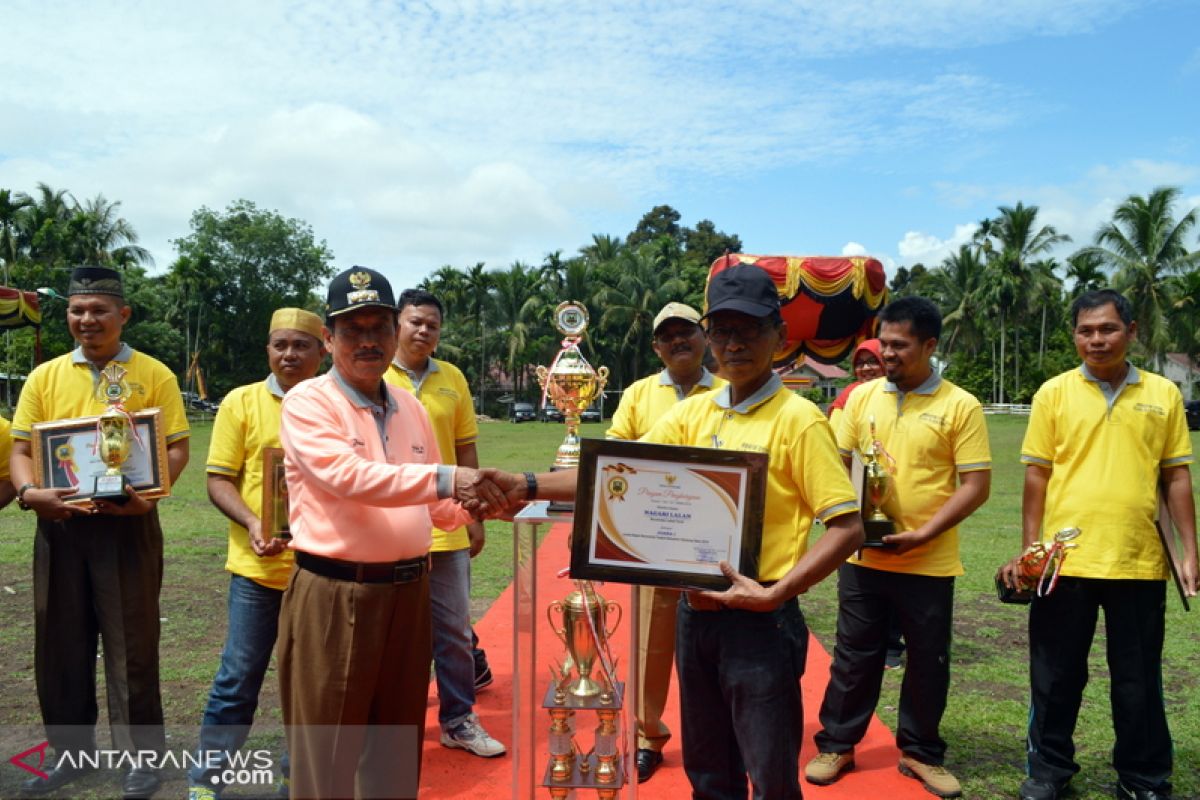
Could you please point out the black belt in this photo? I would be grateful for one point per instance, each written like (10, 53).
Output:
(387, 572)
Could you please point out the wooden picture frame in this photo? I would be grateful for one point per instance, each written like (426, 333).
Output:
(274, 496)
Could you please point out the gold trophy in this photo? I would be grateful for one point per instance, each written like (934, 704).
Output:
(582, 637)
(570, 382)
(113, 439)
(880, 483)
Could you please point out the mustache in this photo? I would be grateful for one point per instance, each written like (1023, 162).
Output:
(370, 352)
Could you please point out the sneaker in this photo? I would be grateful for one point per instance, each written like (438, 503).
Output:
(202, 793)
(893, 661)
(471, 736)
(1034, 789)
(1125, 793)
(934, 777)
(483, 678)
(828, 767)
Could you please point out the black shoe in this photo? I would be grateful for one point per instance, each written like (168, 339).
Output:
(1125, 793)
(1033, 789)
(648, 762)
(483, 679)
(140, 784)
(59, 777)
(483, 673)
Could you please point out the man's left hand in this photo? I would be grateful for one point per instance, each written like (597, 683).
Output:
(746, 594)
(903, 542)
(477, 535)
(1189, 576)
(136, 506)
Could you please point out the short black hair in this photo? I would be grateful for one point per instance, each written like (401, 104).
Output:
(921, 314)
(1102, 297)
(419, 297)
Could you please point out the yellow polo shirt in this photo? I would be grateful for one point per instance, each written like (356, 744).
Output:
(645, 401)
(444, 393)
(5, 448)
(805, 475)
(1105, 447)
(934, 433)
(247, 423)
(64, 388)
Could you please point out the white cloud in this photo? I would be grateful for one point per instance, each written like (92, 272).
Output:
(853, 249)
(928, 249)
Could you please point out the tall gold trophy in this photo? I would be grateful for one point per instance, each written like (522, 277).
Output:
(880, 484)
(570, 382)
(113, 435)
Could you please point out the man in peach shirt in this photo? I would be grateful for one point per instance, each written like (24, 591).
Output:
(366, 488)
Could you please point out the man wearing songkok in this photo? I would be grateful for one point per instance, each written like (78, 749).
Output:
(443, 391)
(740, 653)
(260, 565)
(936, 448)
(366, 486)
(97, 567)
(1104, 441)
(678, 341)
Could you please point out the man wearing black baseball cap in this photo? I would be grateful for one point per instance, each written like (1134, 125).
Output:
(740, 653)
(366, 485)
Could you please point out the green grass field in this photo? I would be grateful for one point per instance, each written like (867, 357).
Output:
(984, 723)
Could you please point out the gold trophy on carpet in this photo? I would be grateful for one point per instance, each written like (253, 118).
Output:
(880, 484)
(584, 615)
(113, 435)
(570, 382)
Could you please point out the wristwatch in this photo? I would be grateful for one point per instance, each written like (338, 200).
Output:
(25, 487)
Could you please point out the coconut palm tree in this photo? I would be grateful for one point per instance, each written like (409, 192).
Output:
(12, 208)
(957, 286)
(642, 287)
(1145, 245)
(1086, 268)
(517, 303)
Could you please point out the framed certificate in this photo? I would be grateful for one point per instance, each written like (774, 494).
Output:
(65, 456)
(275, 496)
(666, 515)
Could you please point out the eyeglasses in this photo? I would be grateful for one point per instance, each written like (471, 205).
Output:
(746, 334)
(668, 336)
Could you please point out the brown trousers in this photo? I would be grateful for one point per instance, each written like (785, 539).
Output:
(354, 679)
(656, 652)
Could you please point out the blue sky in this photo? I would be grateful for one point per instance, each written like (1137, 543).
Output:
(415, 135)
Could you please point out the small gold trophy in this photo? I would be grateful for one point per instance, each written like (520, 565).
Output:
(570, 382)
(113, 435)
(582, 637)
(879, 485)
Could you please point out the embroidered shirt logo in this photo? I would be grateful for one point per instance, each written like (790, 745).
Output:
(1147, 408)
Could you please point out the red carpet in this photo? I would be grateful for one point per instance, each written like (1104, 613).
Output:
(456, 774)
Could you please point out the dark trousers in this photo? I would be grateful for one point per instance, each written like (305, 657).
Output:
(925, 608)
(1061, 627)
(739, 689)
(98, 577)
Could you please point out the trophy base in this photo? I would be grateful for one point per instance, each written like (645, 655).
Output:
(563, 506)
(876, 529)
(111, 489)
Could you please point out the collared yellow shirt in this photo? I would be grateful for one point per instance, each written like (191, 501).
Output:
(805, 476)
(64, 388)
(933, 433)
(644, 402)
(246, 424)
(5, 448)
(1105, 447)
(444, 393)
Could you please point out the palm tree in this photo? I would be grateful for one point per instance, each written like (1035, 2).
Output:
(1085, 267)
(1017, 241)
(1183, 318)
(957, 285)
(516, 303)
(12, 207)
(102, 236)
(1145, 245)
(642, 287)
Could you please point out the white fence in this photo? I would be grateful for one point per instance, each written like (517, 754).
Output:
(1019, 409)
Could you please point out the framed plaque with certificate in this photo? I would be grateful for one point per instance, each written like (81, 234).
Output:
(666, 515)
(275, 496)
(66, 455)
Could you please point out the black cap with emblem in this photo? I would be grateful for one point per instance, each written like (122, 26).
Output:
(358, 287)
(95, 280)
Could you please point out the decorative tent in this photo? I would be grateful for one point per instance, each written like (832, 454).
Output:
(829, 303)
(18, 309)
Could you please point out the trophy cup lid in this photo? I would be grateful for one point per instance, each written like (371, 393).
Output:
(571, 318)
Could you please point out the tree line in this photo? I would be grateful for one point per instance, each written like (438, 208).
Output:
(1004, 295)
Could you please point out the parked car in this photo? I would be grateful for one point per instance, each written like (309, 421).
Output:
(522, 412)
(550, 413)
(591, 414)
(1193, 415)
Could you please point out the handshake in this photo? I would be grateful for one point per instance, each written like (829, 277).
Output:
(488, 493)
